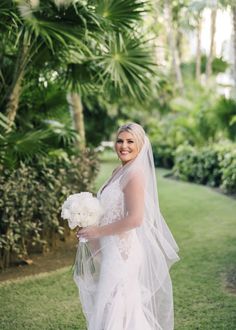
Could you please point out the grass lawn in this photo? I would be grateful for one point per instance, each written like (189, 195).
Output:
(204, 225)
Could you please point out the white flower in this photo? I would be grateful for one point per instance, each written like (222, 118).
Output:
(65, 214)
(81, 210)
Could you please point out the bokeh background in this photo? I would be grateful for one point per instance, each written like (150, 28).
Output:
(71, 72)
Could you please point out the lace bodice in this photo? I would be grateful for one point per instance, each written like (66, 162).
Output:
(112, 201)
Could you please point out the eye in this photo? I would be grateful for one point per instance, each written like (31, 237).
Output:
(119, 141)
(130, 141)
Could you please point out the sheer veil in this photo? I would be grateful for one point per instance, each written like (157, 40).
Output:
(159, 248)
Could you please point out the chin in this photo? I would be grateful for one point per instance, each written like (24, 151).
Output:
(126, 160)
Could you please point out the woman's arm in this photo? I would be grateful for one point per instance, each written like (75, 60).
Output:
(134, 209)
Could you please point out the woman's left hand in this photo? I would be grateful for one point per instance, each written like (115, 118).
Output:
(89, 233)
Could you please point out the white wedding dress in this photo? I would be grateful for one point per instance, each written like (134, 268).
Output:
(129, 287)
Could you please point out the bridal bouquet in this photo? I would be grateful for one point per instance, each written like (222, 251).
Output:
(82, 210)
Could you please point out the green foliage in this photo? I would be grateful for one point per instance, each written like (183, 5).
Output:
(98, 130)
(227, 162)
(31, 199)
(122, 14)
(225, 112)
(219, 65)
(163, 154)
(198, 118)
(163, 138)
(93, 46)
(187, 126)
(197, 165)
(125, 65)
(213, 165)
(36, 146)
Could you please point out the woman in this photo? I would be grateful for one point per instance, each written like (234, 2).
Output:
(128, 286)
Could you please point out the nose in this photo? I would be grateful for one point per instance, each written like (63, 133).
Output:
(124, 144)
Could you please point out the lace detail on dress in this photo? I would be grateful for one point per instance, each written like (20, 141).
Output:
(112, 201)
(125, 245)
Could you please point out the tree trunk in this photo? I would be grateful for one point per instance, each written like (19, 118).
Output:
(212, 45)
(198, 50)
(234, 45)
(171, 33)
(78, 117)
(16, 87)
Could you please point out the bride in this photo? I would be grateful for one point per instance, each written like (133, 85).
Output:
(132, 249)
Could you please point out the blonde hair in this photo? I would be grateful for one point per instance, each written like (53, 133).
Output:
(136, 130)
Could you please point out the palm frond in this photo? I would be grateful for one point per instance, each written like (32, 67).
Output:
(80, 77)
(58, 154)
(60, 25)
(127, 65)
(21, 146)
(121, 13)
(4, 121)
(61, 133)
(8, 16)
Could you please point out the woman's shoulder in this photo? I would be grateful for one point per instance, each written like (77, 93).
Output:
(134, 177)
(116, 170)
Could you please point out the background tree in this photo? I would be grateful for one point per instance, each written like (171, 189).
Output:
(196, 8)
(171, 35)
(234, 46)
(96, 47)
(212, 41)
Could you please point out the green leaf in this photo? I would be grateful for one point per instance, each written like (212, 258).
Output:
(123, 13)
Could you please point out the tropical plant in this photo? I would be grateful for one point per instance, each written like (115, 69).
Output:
(30, 201)
(225, 112)
(93, 46)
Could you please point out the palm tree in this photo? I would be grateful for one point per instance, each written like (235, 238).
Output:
(234, 25)
(196, 7)
(198, 50)
(232, 5)
(36, 28)
(95, 46)
(199, 5)
(212, 42)
(171, 35)
(76, 106)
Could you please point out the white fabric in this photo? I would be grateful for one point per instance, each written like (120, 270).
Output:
(130, 288)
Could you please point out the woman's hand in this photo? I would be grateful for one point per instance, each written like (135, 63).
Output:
(89, 233)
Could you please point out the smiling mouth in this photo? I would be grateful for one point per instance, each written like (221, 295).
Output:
(124, 152)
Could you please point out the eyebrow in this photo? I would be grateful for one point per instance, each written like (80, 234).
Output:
(120, 139)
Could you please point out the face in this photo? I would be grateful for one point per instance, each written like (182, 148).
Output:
(126, 147)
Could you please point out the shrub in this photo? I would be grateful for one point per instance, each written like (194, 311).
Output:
(227, 161)
(197, 165)
(163, 137)
(213, 165)
(163, 154)
(31, 199)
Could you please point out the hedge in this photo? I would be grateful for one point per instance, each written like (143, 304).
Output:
(31, 199)
(213, 165)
